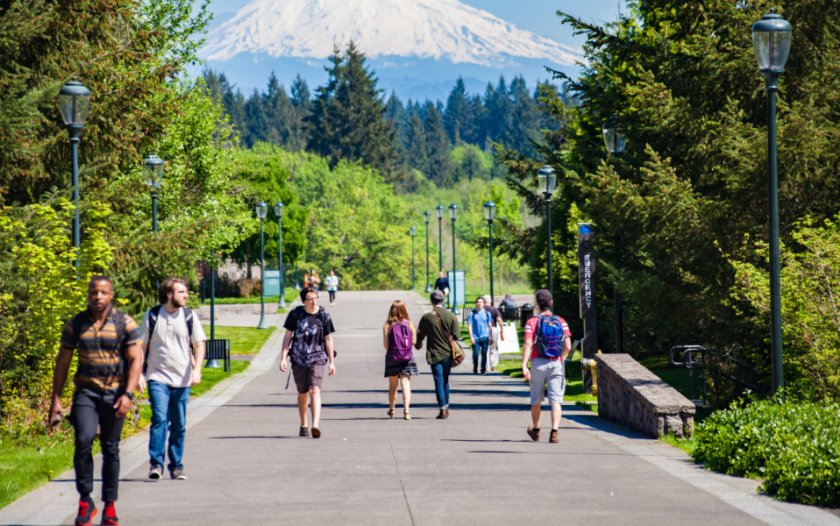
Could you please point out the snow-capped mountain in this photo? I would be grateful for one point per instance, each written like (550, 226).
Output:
(436, 29)
(416, 47)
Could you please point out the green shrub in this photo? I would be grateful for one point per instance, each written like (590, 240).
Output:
(793, 446)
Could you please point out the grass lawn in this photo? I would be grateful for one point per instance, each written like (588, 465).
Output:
(243, 340)
(29, 462)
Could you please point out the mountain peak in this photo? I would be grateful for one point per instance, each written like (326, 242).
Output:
(430, 29)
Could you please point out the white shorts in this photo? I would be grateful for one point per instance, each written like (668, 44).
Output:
(549, 374)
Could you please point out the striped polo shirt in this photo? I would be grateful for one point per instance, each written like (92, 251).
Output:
(101, 353)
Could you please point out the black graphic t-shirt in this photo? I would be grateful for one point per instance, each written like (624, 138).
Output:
(307, 347)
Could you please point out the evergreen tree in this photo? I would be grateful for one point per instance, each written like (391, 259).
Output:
(301, 107)
(348, 118)
(437, 147)
(416, 147)
(456, 118)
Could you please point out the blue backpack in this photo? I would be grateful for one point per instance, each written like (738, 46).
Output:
(550, 336)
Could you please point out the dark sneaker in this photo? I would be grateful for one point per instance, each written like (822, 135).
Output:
(534, 433)
(553, 438)
(316, 433)
(155, 472)
(87, 511)
(304, 431)
(178, 474)
(109, 515)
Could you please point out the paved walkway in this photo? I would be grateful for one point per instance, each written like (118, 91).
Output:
(246, 463)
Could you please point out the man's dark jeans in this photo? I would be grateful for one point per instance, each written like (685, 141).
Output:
(440, 372)
(92, 408)
(480, 348)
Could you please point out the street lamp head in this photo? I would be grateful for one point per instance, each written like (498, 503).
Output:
(278, 209)
(426, 215)
(489, 211)
(439, 209)
(771, 42)
(153, 171)
(412, 231)
(453, 211)
(74, 102)
(614, 137)
(261, 209)
(547, 179)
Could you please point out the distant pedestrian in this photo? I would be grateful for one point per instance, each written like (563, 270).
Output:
(332, 286)
(442, 284)
(547, 343)
(308, 340)
(306, 281)
(508, 307)
(315, 280)
(109, 362)
(399, 336)
(479, 321)
(173, 342)
(497, 333)
(437, 327)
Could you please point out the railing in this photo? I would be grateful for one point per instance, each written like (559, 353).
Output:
(722, 366)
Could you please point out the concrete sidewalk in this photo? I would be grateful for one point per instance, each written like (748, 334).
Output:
(246, 463)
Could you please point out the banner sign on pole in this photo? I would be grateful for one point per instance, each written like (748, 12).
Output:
(459, 281)
(271, 282)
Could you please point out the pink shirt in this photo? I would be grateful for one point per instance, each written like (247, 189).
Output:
(531, 326)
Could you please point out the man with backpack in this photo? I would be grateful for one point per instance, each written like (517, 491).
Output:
(173, 341)
(109, 362)
(547, 343)
(308, 340)
(437, 328)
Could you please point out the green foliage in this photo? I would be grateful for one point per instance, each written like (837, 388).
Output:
(810, 279)
(793, 446)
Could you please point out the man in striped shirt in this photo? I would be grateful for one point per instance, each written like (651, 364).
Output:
(109, 363)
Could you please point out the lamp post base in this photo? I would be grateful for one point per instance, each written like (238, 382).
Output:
(282, 303)
(428, 288)
(262, 324)
(212, 364)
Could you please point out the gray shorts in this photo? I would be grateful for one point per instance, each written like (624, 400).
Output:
(307, 377)
(550, 374)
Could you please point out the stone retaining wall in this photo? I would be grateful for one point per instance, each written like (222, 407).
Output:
(631, 395)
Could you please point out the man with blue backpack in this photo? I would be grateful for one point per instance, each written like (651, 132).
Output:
(547, 343)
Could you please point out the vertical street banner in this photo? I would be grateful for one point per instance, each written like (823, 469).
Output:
(586, 277)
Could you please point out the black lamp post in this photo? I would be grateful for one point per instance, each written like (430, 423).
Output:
(616, 142)
(411, 232)
(453, 213)
(153, 172)
(426, 215)
(262, 209)
(771, 42)
(490, 215)
(439, 209)
(278, 210)
(548, 179)
(74, 102)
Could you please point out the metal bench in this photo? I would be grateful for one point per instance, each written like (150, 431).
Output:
(217, 350)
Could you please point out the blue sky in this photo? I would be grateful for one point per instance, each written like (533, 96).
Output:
(535, 15)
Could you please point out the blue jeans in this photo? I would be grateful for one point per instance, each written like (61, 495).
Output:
(169, 412)
(440, 372)
(480, 347)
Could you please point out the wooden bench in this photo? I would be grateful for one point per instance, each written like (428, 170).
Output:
(217, 350)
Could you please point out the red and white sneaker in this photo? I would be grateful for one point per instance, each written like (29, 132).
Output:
(109, 515)
(87, 511)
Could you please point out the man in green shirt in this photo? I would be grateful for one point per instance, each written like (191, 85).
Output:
(437, 326)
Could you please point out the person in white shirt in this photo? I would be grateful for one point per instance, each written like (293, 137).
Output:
(173, 341)
(332, 286)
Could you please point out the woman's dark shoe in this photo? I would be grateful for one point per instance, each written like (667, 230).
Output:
(534, 433)
(304, 431)
(390, 413)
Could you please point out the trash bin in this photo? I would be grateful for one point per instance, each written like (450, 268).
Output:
(526, 312)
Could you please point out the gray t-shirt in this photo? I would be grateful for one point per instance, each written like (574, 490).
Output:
(170, 347)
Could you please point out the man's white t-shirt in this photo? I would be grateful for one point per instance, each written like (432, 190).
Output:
(170, 357)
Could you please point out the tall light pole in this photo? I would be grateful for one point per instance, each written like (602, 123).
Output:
(74, 102)
(278, 211)
(411, 232)
(771, 42)
(153, 177)
(453, 213)
(262, 209)
(616, 142)
(439, 209)
(490, 215)
(426, 215)
(548, 179)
